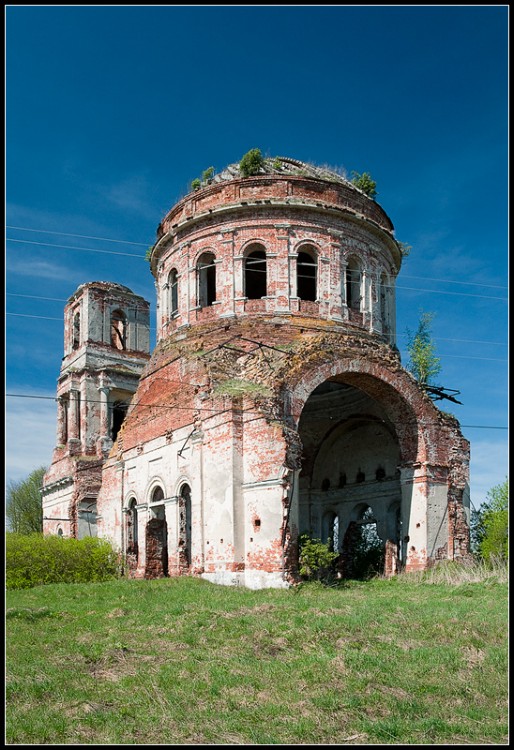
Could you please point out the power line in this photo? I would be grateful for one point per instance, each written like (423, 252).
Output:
(83, 236)
(458, 356)
(34, 296)
(403, 335)
(462, 341)
(39, 317)
(449, 281)
(384, 286)
(69, 247)
(44, 317)
(194, 408)
(142, 244)
(441, 291)
(465, 356)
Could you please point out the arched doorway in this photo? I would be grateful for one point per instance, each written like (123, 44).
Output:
(184, 530)
(157, 538)
(132, 550)
(349, 484)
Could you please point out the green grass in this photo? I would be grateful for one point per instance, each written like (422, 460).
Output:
(187, 662)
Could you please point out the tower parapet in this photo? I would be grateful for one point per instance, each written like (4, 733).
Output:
(292, 240)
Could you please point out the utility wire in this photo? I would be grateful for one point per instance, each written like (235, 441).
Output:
(69, 247)
(458, 356)
(34, 296)
(384, 286)
(449, 281)
(194, 408)
(142, 244)
(436, 338)
(441, 291)
(83, 236)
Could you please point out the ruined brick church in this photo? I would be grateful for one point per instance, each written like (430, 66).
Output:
(274, 404)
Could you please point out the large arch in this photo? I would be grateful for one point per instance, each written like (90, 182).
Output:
(393, 388)
(397, 446)
(350, 463)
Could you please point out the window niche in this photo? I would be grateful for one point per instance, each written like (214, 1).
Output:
(255, 273)
(173, 292)
(206, 279)
(76, 331)
(353, 279)
(119, 329)
(306, 275)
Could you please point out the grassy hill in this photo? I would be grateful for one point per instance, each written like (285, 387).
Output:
(404, 661)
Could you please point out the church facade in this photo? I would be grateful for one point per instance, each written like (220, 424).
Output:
(274, 403)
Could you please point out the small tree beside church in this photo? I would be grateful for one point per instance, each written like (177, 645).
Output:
(423, 363)
(24, 510)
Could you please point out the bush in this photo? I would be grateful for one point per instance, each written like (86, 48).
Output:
(35, 560)
(208, 175)
(315, 559)
(365, 182)
(251, 162)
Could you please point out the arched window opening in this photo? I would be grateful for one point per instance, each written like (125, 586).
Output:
(76, 330)
(86, 517)
(206, 279)
(399, 533)
(306, 276)
(132, 533)
(384, 313)
(363, 547)
(173, 292)
(157, 495)
(157, 537)
(119, 412)
(60, 532)
(184, 533)
(255, 276)
(64, 403)
(78, 420)
(132, 530)
(353, 285)
(119, 330)
(330, 530)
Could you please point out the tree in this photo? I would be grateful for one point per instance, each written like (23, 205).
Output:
(477, 528)
(24, 510)
(495, 521)
(423, 363)
(315, 558)
(365, 182)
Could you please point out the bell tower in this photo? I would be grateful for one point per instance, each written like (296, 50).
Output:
(106, 346)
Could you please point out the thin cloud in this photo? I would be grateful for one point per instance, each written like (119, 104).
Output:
(489, 465)
(129, 194)
(30, 435)
(40, 268)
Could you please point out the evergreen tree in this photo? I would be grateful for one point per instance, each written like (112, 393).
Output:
(423, 363)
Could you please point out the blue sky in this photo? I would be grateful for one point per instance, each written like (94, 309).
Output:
(111, 111)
